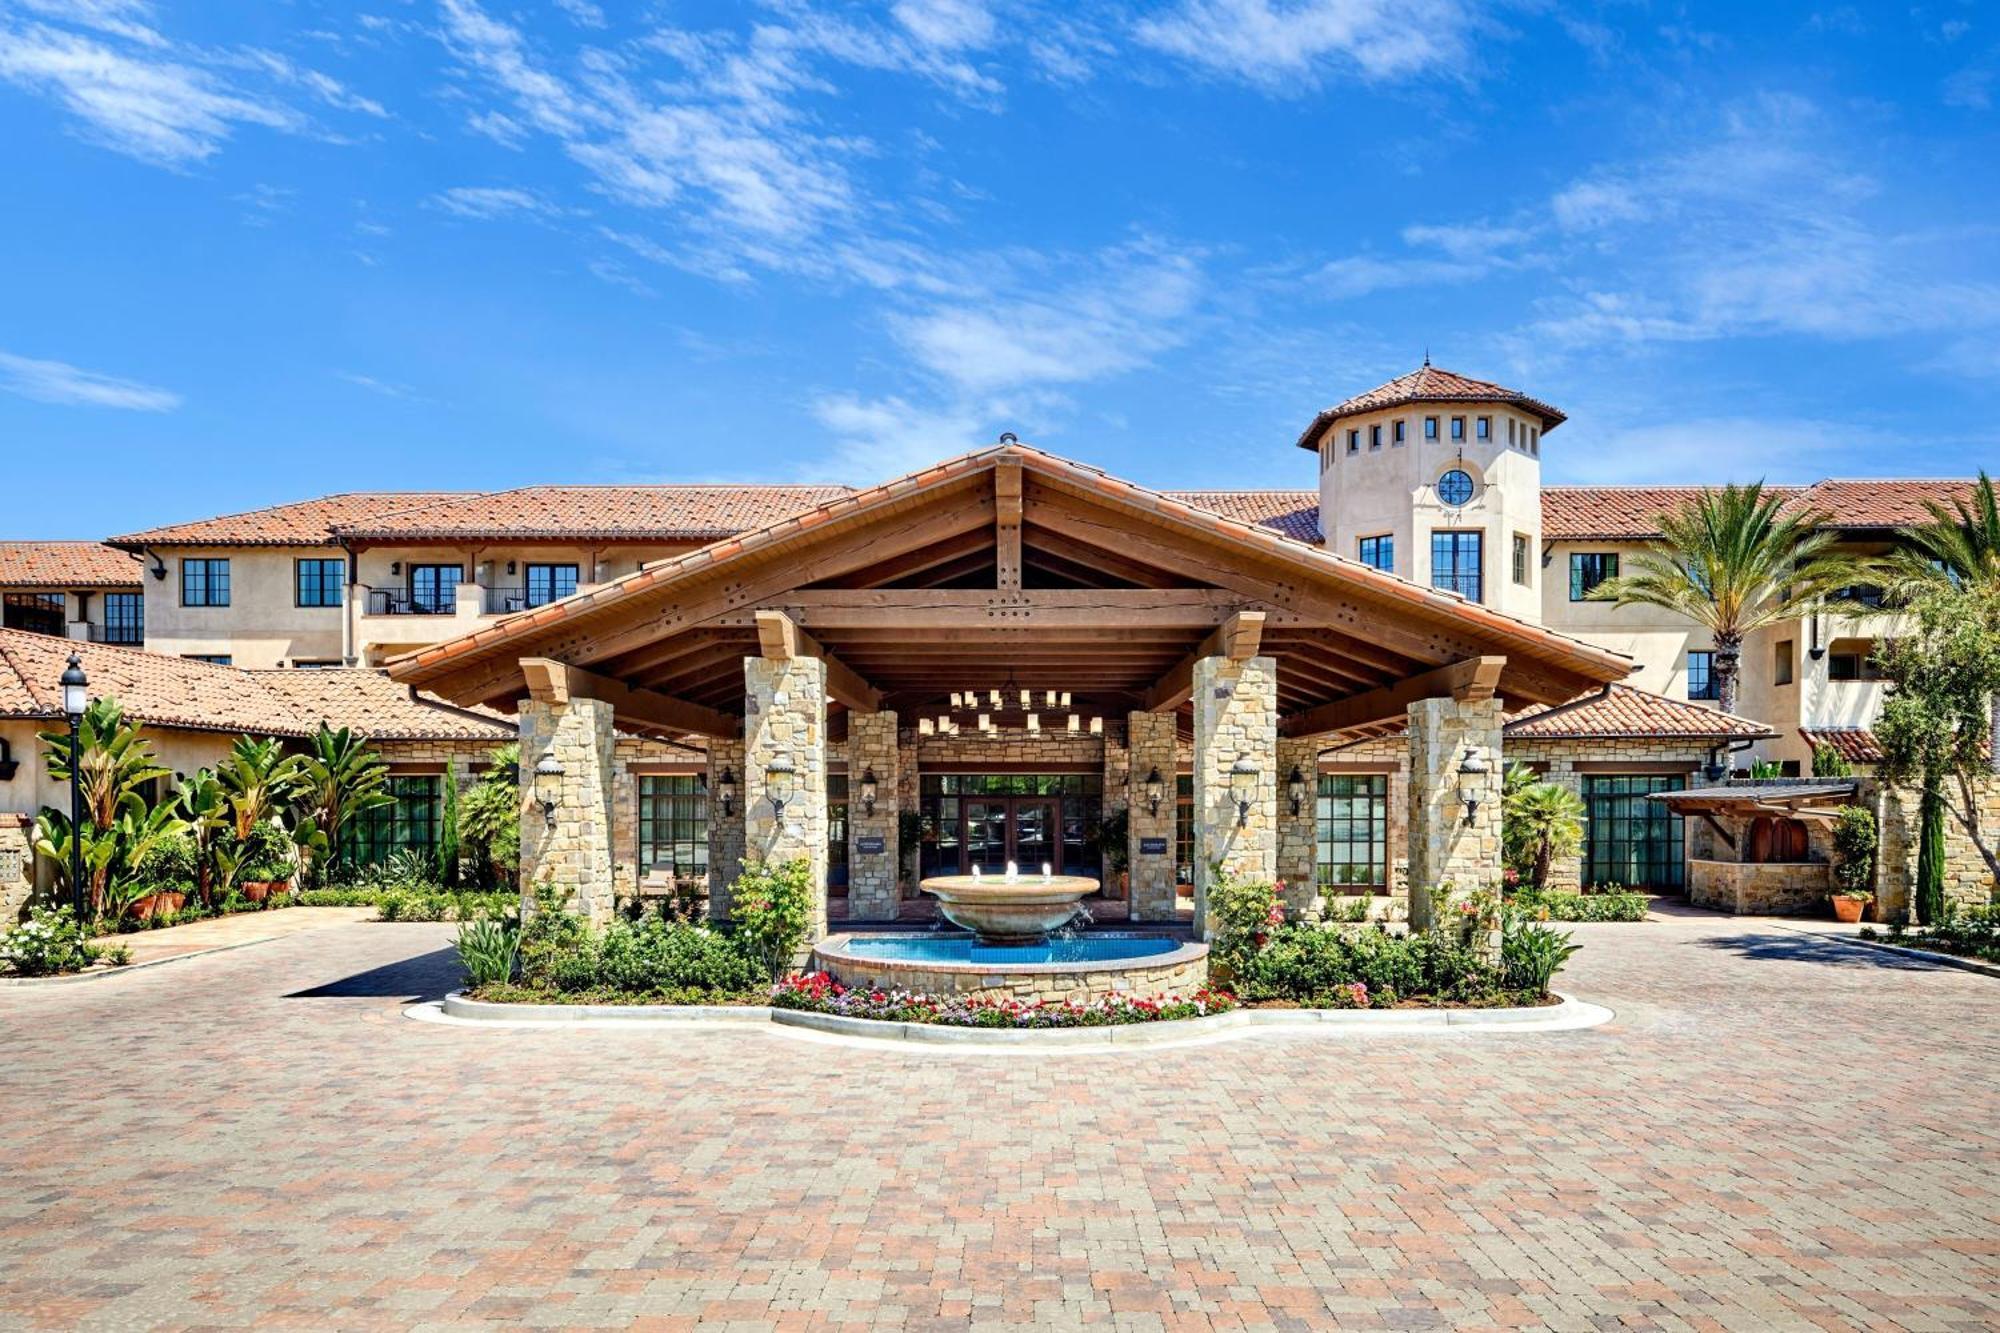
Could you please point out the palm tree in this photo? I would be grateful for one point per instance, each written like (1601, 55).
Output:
(1959, 547)
(114, 765)
(339, 778)
(1733, 561)
(1548, 820)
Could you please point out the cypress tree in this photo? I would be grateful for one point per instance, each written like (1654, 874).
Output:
(1930, 855)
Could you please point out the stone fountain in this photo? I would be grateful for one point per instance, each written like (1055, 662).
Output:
(1013, 909)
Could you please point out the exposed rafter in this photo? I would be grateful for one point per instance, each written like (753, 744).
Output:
(1007, 524)
(647, 710)
(780, 638)
(1474, 678)
(1236, 638)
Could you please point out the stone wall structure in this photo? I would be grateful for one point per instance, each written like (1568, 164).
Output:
(1298, 830)
(873, 881)
(1235, 719)
(1150, 747)
(17, 865)
(785, 716)
(725, 827)
(574, 851)
(1447, 849)
(1967, 879)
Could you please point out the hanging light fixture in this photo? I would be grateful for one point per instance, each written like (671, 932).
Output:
(954, 699)
(780, 777)
(1243, 786)
(924, 726)
(1295, 786)
(1097, 726)
(1075, 723)
(1035, 723)
(994, 699)
(868, 791)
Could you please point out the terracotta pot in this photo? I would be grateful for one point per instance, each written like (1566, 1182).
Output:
(258, 890)
(156, 904)
(1848, 909)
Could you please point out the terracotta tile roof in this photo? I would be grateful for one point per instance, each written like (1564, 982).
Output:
(1857, 745)
(1427, 384)
(596, 513)
(1882, 503)
(304, 523)
(168, 691)
(66, 565)
(1632, 513)
(1293, 513)
(1626, 713)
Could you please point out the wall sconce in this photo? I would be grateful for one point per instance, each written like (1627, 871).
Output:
(510, 566)
(1295, 787)
(725, 789)
(1156, 791)
(548, 786)
(396, 568)
(868, 791)
(1243, 786)
(779, 779)
(1472, 773)
(159, 569)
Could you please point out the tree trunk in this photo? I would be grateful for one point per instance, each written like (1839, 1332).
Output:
(1993, 735)
(1930, 854)
(1544, 854)
(1728, 667)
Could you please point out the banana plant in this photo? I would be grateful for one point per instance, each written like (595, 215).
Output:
(258, 779)
(204, 809)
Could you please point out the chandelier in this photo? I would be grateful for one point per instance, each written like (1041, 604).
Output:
(988, 708)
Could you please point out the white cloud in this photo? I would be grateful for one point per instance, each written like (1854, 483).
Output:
(582, 13)
(946, 23)
(492, 201)
(1712, 450)
(1590, 204)
(1971, 89)
(1135, 304)
(60, 382)
(1364, 275)
(386, 388)
(130, 19)
(1282, 46)
(876, 439)
(156, 109)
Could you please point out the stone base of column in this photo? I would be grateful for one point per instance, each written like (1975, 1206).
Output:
(872, 854)
(785, 717)
(1235, 721)
(725, 828)
(1452, 851)
(571, 850)
(1149, 838)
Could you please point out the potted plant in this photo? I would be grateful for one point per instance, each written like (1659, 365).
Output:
(1854, 842)
(267, 863)
(167, 871)
(1849, 904)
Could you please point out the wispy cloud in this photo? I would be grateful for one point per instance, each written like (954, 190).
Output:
(73, 386)
(385, 388)
(1290, 47)
(1708, 450)
(493, 201)
(875, 439)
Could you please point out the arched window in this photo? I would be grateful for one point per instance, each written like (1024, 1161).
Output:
(1777, 841)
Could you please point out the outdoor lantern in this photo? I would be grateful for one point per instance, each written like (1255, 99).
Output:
(76, 690)
(868, 791)
(1156, 791)
(779, 777)
(1295, 787)
(548, 786)
(1243, 786)
(725, 788)
(1472, 772)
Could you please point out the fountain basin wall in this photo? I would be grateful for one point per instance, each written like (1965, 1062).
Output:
(1170, 967)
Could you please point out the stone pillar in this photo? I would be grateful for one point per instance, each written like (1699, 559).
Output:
(725, 829)
(1448, 852)
(1150, 747)
(573, 852)
(872, 878)
(785, 714)
(1235, 718)
(1298, 831)
(908, 797)
(17, 865)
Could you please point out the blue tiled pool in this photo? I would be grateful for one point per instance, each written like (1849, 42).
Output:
(957, 948)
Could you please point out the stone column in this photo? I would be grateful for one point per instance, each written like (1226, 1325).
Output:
(1150, 747)
(1448, 852)
(17, 865)
(872, 855)
(785, 714)
(1298, 831)
(1235, 718)
(574, 851)
(725, 828)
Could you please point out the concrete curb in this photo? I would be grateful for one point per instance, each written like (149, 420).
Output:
(100, 973)
(1979, 965)
(1570, 1015)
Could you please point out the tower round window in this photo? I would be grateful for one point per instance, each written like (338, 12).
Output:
(1454, 487)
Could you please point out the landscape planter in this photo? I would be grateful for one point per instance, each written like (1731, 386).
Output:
(156, 904)
(259, 890)
(1848, 909)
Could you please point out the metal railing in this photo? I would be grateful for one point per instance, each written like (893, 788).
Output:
(390, 602)
(119, 635)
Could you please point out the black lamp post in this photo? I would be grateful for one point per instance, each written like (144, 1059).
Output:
(76, 698)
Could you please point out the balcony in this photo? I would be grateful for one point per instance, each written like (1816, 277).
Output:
(118, 635)
(393, 602)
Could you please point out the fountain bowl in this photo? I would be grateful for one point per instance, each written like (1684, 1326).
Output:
(1001, 911)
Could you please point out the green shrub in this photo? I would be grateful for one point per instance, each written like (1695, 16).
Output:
(1316, 965)
(1611, 906)
(550, 934)
(50, 942)
(268, 855)
(657, 955)
(486, 949)
(1531, 954)
(771, 910)
(1854, 841)
(1242, 913)
(168, 865)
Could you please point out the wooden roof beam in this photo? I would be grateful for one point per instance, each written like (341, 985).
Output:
(558, 682)
(781, 639)
(1473, 679)
(1007, 523)
(948, 609)
(1236, 638)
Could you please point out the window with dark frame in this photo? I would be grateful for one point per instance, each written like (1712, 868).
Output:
(1702, 683)
(1375, 436)
(1458, 563)
(1587, 569)
(1781, 663)
(36, 612)
(1354, 440)
(434, 589)
(125, 617)
(550, 583)
(319, 582)
(673, 825)
(1398, 433)
(1632, 840)
(1524, 563)
(836, 832)
(1184, 829)
(213, 659)
(408, 823)
(1430, 428)
(1484, 430)
(204, 582)
(1352, 823)
(1377, 552)
(1458, 428)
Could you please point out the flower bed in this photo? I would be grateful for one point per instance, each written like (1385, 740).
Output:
(1973, 933)
(50, 943)
(1611, 906)
(820, 993)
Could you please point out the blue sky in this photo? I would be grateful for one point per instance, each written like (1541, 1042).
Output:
(262, 250)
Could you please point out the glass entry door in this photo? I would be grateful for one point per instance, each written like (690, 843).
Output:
(986, 837)
(1001, 829)
(1035, 834)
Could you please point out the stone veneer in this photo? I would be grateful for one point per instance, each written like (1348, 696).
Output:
(1760, 889)
(1235, 717)
(1180, 973)
(872, 877)
(785, 714)
(725, 831)
(574, 853)
(1446, 849)
(1298, 830)
(1967, 881)
(1150, 745)
(17, 865)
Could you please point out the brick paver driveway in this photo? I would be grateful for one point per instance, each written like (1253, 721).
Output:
(1775, 1132)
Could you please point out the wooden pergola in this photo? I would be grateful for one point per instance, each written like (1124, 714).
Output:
(1009, 565)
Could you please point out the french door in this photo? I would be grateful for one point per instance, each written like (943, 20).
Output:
(1010, 828)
